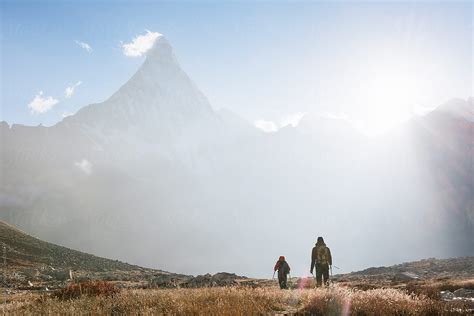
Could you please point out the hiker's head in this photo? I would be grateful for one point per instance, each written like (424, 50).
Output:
(320, 240)
(282, 258)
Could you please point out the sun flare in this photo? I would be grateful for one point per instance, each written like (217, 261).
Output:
(389, 96)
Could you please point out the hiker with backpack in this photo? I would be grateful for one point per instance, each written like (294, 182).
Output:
(283, 269)
(321, 258)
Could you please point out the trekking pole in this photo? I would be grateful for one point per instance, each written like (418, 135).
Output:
(336, 267)
(273, 277)
(329, 283)
(5, 277)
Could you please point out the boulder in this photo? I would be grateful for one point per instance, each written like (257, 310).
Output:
(462, 292)
(405, 276)
(58, 275)
(218, 279)
(446, 295)
(165, 281)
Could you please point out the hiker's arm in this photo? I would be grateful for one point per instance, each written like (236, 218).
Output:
(330, 257)
(313, 260)
(277, 265)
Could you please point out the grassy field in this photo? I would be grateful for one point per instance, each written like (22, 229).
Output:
(37, 279)
(335, 300)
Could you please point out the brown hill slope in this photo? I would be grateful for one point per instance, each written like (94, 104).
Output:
(449, 273)
(23, 250)
(36, 264)
(32, 261)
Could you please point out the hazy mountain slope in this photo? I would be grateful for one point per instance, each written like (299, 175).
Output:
(445, 145)
(23, 250)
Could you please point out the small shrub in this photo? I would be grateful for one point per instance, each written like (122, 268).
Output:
(427, 290)
(432, 289)
(88, 288)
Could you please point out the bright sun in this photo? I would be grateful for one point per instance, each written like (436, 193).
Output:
(388, 97)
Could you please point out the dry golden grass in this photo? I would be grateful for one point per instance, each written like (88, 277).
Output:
(335, 300)
(432, 288)
(343, 301)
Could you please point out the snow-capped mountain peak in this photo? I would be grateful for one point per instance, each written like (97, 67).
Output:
(160, 101)
(161, 51)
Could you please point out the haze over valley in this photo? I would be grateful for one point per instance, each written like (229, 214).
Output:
(155, 175)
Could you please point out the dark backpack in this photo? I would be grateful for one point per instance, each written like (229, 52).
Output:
(283, 267)
(322, 255)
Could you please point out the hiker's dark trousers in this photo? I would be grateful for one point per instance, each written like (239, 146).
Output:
(282, 279)
(322, 271)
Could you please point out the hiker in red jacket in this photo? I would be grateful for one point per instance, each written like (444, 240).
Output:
(283, 269)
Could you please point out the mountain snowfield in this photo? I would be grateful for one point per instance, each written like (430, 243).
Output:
(155, 176)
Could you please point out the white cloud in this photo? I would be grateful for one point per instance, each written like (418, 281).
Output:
(85, 46)
(70, 90)
(292, 119)
(140, 44)
(66, 114)
(84, 165)
(42, 104)
(266, 126)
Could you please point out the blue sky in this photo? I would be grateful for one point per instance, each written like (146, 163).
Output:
(372, 62)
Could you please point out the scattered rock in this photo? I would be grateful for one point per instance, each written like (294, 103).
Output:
(446, 295)
(18, 276)
(439, 269)
(166, 281)
(59, 275)
(218, 279)
(45, 277)
(462, 292)
(405, 276)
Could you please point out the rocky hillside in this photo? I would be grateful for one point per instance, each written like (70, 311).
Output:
(432, 268)
(35, 264)
(23, 250)
(32, 262)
